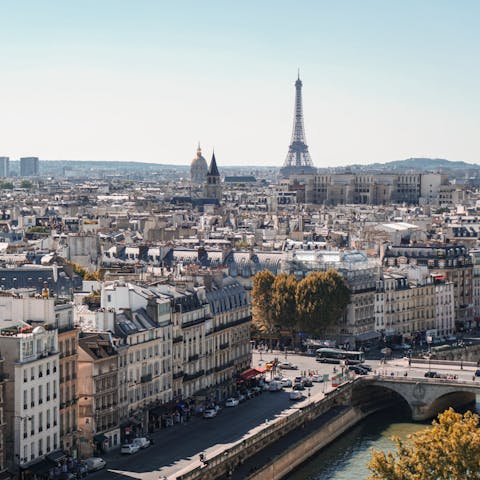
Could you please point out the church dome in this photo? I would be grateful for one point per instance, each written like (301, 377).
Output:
(198, 168)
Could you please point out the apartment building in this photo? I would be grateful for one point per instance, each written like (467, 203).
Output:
(4, 474)
(98, 418)
(452, 262)
(31, 394)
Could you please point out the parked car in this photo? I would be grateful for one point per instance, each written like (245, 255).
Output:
(432, 374)
(241, 397)
(142, 442)
(95, 463)
(307, 382)
(366, 367)
(317, 378)
(298, 386)
(210, 413)
(130, 448)
(477, 373)
(286, 382)
(231, 402)
(296, 395)
(287, 366)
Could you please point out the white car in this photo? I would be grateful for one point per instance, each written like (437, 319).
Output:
(210, 413)
(286, 382)
(95, 463)
(130, 448)
(317, 378)
(287, 366)
(295, 395)
(142, 442)
(231, 402)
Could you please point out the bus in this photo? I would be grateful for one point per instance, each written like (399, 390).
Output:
(335, 355)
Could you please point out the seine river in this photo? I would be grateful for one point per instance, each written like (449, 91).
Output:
(347, 457)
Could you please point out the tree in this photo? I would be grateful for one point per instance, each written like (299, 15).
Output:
(321, 300)
(284, 305)
(449, 450)
(262, 301)
(26, 184)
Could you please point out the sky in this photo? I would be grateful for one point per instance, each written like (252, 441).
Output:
(146, 80)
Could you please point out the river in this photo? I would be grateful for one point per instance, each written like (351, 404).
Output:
(347, 457)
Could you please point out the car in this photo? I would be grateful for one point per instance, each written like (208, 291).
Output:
(130, 448)
(95, 463)
(298, 380)
(257, 390)
(287, 366)
(240, 397)
(317, 378)
(142, 442)
(231, 402)
(307, 382)
(210, 413)
(298, 386)
(477, 373)
(286, 382)
(366, 367)
(251, 393)
(358, 370)
(432, 374)
(295, 395)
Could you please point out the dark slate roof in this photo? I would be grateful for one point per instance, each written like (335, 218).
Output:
(232, 295)
(97, 345)
(240, 179)
(128, 323)
(213, 170)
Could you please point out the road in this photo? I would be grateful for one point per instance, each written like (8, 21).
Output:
(178, 447)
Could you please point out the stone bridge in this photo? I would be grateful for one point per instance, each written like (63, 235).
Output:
(426, 397)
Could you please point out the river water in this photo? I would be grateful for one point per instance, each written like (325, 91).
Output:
(347, 458)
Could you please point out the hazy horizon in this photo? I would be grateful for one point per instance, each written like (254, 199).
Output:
(145, 81)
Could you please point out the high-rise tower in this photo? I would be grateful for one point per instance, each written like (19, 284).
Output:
(298, 158)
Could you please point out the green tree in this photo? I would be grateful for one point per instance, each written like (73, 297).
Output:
(262, 301)
(321, 300)
(284, 304)
(5, 185)
(26, 184)
(449, 450)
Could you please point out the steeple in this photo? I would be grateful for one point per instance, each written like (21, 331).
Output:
(213, 170)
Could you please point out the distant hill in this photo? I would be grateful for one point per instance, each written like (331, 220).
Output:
(421, 164)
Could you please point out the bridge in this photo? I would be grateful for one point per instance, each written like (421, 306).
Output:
(426, 397)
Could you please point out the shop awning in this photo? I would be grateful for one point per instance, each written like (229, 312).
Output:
(100, 438)
(260, 369)
(57, 456)
(248, 374)
(364, 337)
(40, 468)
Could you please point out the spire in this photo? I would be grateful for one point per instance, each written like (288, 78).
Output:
(213, 170)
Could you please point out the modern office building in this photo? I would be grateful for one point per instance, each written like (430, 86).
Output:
(29, 167)
(4, 167)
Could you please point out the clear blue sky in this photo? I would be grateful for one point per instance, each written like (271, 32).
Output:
(145, 80)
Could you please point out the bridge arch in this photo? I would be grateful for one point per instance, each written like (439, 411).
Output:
(426, 399)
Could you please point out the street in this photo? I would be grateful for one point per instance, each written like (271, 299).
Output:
(175, 448)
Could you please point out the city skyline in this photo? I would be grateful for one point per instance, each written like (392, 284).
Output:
(382, 81)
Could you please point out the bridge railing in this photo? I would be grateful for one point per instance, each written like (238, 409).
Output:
(433, 381)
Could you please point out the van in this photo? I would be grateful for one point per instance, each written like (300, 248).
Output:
(275, 386)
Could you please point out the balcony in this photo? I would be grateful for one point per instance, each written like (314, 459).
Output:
(192, 376)
(178, 374)
(146, 378)
(178, 339)
(224, 345)
(192, 358)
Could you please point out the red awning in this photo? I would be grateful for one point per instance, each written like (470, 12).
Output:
(248, 374)
(260, 369)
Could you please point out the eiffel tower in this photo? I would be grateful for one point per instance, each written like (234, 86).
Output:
(298, 158)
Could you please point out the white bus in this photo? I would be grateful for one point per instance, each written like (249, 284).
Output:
(336, 355)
